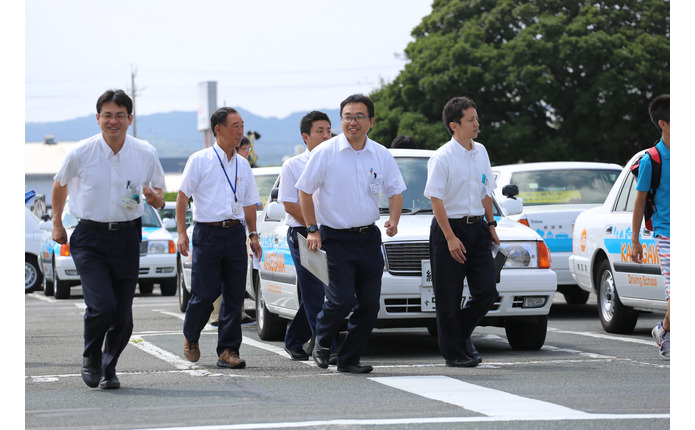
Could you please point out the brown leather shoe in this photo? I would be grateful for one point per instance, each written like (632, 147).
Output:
(191, 350)
(231, 359)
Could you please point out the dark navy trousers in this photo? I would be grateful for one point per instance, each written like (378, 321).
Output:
(108, 262)
(218, 268)
(312, 293)
(355, 266)
(454, 322)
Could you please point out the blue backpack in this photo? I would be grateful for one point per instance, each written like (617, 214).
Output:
(649, 208)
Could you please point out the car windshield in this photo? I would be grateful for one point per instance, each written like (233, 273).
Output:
(557, 187)
(149, 218)
(414, 172)
(264, 183)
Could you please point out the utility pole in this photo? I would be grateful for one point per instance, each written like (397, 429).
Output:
(134, 92)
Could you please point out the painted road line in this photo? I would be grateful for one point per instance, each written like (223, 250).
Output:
(475, 398)
(603, 336)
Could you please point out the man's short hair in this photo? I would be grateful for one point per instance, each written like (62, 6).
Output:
(244, 141)
(404, 142)
(308, 121)
(660, 110)
(116, 96)
(359, 98)
(220, 117)
(453, 111)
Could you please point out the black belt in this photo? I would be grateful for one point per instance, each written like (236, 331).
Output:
(469, 219)
(226, 223)
(363, 229)
(111, 225)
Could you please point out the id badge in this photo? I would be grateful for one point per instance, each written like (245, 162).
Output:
(128, 202)
(374, 186)
(237, 209)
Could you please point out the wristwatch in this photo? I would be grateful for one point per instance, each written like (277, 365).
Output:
(492, 224)
(253, 233)
(313, 228)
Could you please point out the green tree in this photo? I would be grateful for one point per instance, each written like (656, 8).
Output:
(553, 79)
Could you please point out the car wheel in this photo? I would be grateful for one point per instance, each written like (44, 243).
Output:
(574, 295)
(615, 317)
(62, 288)
(268, 325)
(527, 334)
(32, 274)
(48, 288)
(145, 286)
(168, 286)
(184, 295)
(432, 327)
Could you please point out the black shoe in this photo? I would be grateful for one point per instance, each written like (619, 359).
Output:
(321, 356)
(215, 323)
(463, 362)
(333, 360)
(297, 355)
(91, 371)
(469, 348)
(110, 384)
(247, 320)
(355, 368)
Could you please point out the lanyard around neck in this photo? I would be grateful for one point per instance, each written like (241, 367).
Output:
(236, 169)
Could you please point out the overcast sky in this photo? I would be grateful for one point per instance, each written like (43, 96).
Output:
(270, 57)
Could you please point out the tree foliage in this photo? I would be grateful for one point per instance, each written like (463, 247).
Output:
(553, 79)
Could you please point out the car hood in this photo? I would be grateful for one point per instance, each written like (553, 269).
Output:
(155, 233)
(417, 228)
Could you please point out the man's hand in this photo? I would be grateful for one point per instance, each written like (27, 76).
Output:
(313, 241)
(59, 234)
(154, 197)
(182, 244)
(636, 252)
(457, 250)
(391, 228)
(256, 246)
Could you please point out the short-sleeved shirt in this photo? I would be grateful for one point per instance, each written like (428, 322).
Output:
(214, 192)
(349, 182)
(291, 171)
(661, 220)
(460, 178)
(98, 179)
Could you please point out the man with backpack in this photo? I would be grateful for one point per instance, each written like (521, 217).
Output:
(659, 111)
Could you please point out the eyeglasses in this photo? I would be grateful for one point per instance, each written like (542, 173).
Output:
(109, 116)
(358, 118)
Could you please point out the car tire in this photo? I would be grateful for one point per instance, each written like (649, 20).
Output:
(145, 287)
(62, 288)
(184, 294)
(168, 286)
(574, 295)
(49, 286)
(268, 325)
(615, 317)
(432, 327)
(32, 274)
(527, 334)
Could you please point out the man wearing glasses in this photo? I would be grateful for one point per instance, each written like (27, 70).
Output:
(105, 177)
(347, 174)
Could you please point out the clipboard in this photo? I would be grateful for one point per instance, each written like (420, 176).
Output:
(499, 256)
(315, 262)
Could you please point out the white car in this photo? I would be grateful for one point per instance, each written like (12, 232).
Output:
(265, 178)
(526, 289)
(553, 194)
(157, 257)
(601, 261)
(33, 277)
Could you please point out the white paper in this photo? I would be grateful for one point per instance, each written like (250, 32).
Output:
(314, 261)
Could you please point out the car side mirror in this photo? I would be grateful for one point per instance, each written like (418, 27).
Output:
(169, 223)
(510, 191)
(274, 195)
(275, 211)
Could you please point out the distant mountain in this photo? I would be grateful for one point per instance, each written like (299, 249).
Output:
(175, 134)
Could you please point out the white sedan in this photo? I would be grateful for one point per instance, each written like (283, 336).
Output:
(553, 194)
(601, 261)
(526, 289)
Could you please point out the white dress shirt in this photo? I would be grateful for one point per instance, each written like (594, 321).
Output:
(460, 178)
(98, 179)
(342, 176)
(204, 179)
(289, 175)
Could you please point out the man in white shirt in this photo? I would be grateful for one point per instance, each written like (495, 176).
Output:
(105, 177)
(349, 172)
(223, 188)
(460, 184)
(315, 128)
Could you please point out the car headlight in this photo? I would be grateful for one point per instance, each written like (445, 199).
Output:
(526, 255)
(161, 247)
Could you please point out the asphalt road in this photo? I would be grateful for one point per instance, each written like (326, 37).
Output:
(582, 378)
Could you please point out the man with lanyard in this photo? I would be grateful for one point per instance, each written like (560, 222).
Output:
(224, 193)
(460, 184)
(315, 128)
(348, 173)
(105, 176)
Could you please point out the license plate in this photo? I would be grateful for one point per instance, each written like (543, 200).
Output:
(427, 303)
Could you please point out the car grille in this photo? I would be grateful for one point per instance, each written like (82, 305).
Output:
(404, 258)
(409, 305)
